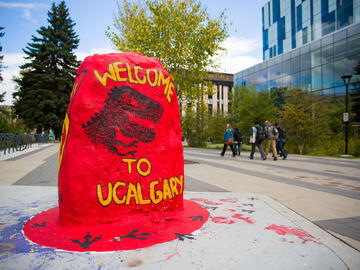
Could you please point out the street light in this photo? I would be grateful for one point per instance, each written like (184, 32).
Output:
(346, 78)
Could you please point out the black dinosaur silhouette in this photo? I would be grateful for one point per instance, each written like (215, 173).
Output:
(123, 102)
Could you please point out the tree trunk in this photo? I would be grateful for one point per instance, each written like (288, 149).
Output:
(301, 147)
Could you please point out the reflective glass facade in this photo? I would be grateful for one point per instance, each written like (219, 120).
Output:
(318, 65)
(290, 24)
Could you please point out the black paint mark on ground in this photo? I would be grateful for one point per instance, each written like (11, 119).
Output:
(87, 242)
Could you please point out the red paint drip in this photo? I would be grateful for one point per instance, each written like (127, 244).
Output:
(228, 200)
(284, 230)
(223, 220)
(232, 210)
(240, 216)
(206, 201)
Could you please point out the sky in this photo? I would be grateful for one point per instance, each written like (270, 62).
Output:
(22, 18)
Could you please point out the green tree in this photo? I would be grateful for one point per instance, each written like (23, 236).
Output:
(1, 56)
(216, 125)
(46, 80)
(180, 33)
(304, 116)
(1, 64)
(248, 105)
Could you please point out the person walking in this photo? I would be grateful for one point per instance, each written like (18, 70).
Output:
(280, 141)
(271, 134)
(238, 137)
(228, 140)
(257, 136)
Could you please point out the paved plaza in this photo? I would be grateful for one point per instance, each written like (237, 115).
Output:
(314, 193)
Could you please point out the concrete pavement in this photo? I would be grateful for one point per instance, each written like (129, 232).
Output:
(324, 190)
(244, 231)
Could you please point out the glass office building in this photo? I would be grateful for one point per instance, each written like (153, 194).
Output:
(318, 65)
(315, 60)
(290, 24)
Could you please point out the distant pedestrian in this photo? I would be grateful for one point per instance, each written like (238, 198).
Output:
(280, 141)
(271, 134)
(228, 140)
(257, 136)
(52, 136)
(238, 137)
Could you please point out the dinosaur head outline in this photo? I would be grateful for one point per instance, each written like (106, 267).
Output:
(133, 113)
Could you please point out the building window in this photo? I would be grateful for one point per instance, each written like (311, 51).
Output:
(306, 79)
(295, 64)
(316, 78)
(296, 80)
(344, 12)
(299, 17)
(340, 67)
(327, 54)
(285, 67)
(354, 44)
(305, 35)
(305, 61)
(316, 58)
(328, 75)
(210, 101)
(340, 49)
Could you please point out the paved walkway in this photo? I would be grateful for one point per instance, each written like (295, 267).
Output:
(324, 190)
(244, 231)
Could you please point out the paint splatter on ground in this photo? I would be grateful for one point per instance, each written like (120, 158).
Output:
(222, 220)
(241, 217)
(14, 242)
(299, 233)
(228, 200)
(205, 201)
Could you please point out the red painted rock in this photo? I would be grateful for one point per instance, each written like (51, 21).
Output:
(121, 163)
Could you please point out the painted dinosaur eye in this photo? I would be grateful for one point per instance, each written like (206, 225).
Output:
(133, 102)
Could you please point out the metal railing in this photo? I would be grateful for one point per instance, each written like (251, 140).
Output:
(19, 141)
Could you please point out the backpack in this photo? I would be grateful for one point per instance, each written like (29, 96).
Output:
(241, 137)
(238, 136)
(276, 133)
(260, 136)
(282, 133)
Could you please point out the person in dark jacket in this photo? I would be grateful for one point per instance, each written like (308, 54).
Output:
(255, 140)
(280, 141)
(238, 137)
(228, 140)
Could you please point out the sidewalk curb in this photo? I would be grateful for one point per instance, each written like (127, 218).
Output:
(349, 255)
(20, 154)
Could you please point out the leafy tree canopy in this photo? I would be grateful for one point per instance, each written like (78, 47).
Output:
(1, 56)
(180, 33)
(249, 105)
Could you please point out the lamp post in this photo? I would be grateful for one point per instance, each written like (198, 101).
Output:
(346, 78)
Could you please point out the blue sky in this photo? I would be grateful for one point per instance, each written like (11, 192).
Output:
(21, 19)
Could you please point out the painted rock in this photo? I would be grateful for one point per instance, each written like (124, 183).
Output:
(121, 149)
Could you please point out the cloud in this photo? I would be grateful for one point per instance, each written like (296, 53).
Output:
(11, 62)
(23, 5)
(26, 7)
(240, 54)
(82, 55)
